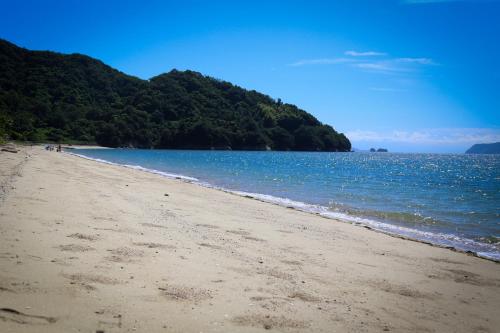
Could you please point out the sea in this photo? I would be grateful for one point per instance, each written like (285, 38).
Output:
(451, 200)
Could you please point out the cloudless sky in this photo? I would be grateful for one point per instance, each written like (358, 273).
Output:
(409, 75)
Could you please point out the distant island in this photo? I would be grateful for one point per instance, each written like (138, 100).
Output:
(484, 148)
(52, 97)
(379, 150)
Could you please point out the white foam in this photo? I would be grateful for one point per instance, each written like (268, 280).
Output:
(442, 239)
(138, 167)
(449, 240)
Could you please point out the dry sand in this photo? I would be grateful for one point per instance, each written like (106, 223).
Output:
(90, 247)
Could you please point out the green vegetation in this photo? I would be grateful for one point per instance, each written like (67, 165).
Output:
(484, 148)
(47, 96)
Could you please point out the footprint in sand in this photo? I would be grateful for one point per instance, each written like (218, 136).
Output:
(124, 254)
(269, 322)
(255, 239)
(462, 276)
(5, 289)
(305, 297)
(84, 237)
(211, 246)
(8, 314)
(86, 281)
(276, 274)
(292, 262)
(152, 225)
(75, 248)
(238, 232)
(447, 261)
(12, 285)
(184, 293)
(108, 320)
(401, 290)
(103, 218)
(209, 226)
(152, 245)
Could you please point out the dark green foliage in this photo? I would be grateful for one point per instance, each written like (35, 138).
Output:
(47, 96)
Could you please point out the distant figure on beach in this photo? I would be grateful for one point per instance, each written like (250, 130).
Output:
(59, 148)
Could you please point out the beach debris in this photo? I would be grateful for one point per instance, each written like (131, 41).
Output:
(166, 195)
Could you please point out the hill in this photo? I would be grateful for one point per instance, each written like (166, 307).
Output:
(48, 96)
(484, 148)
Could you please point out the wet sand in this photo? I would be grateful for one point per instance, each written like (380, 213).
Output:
(89, 247)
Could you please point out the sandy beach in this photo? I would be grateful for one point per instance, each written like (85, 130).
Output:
(91, 247)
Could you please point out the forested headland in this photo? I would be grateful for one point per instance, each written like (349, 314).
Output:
(52, 97)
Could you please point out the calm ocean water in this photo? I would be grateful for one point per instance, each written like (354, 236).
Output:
(452, 200)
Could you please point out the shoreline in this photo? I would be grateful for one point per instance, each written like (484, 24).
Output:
(93, 247)
(382, 227)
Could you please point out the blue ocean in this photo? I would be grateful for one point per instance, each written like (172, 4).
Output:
(450, 200)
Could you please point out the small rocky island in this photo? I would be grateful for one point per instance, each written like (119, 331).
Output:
(484, 148)
(379, 150)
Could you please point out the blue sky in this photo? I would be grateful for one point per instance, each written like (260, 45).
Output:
(409, 75)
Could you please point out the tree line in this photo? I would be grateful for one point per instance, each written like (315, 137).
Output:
(51, 97)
